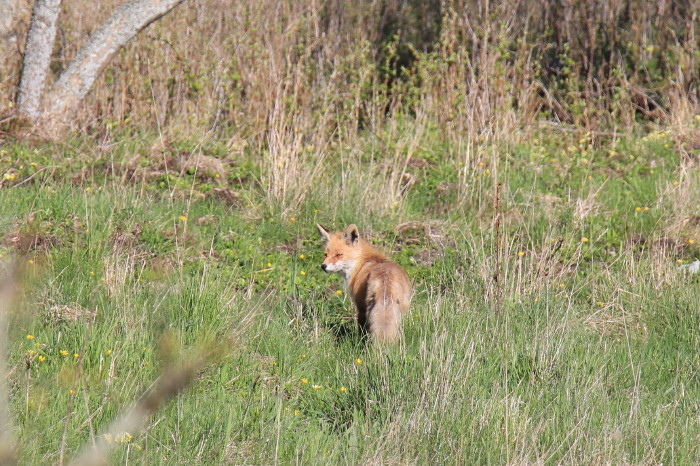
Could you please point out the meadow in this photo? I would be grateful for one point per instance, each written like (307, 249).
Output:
(584, 350)
(534, 166)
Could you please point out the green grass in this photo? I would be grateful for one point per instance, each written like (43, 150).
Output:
(591, 358)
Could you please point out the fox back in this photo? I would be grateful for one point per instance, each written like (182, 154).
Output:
(380, 289)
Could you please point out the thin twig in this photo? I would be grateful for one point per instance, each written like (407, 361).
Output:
(35, 174)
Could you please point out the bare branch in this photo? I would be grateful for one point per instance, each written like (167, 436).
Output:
(70, 89)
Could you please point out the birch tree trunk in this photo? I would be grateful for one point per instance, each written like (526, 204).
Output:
(53, 113)
(37, 57)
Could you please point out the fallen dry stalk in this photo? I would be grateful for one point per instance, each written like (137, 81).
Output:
(173, 381)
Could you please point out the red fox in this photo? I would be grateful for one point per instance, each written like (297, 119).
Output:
(380, 289)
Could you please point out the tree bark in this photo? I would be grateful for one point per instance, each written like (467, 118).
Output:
(8, 11)
(125, 22)
(37, 57)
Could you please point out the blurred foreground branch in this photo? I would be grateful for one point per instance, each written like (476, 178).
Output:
(173, 381)
(8, 292)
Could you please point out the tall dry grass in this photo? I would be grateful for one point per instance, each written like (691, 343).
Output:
(295, 79)
(475, 65)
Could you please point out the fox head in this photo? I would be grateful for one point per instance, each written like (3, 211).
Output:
(342, 250)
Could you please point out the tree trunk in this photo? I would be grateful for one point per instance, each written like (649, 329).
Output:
(125, 22)
(37, 57)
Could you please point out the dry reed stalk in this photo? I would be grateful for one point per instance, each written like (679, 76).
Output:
(8, 293)
(497, 239)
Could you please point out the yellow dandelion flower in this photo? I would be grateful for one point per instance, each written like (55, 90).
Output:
(183, 218)
(315, 211)
(562, 286)
(646, 208)
(679, 261)
(338, 292)
(124, 437)
(358, 361)
(302, 273)
(342, 389)
(108, 352)
(304, 380)
(30, 262)
(29, 337)
(292, 219)
(41, 358)
(394, 203)
(691, 241)
(63, 352)
(584, 239)
(637, 209)
(269, 265)
(76, 355)
(301, 256)
(296, 412)
(316, 387)
(303, 355)
(521, 253)
(601, 304)
(30, 352)
(71, 391)
(487, 172)
(675, 183)
(537, 300)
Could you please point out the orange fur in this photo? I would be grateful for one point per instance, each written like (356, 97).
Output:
(380, 289)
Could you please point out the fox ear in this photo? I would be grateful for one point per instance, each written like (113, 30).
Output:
(325, 236)
(351, 234)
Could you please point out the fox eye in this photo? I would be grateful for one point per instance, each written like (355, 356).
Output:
(338, 255)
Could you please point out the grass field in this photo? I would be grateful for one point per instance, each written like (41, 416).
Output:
(142, 254)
